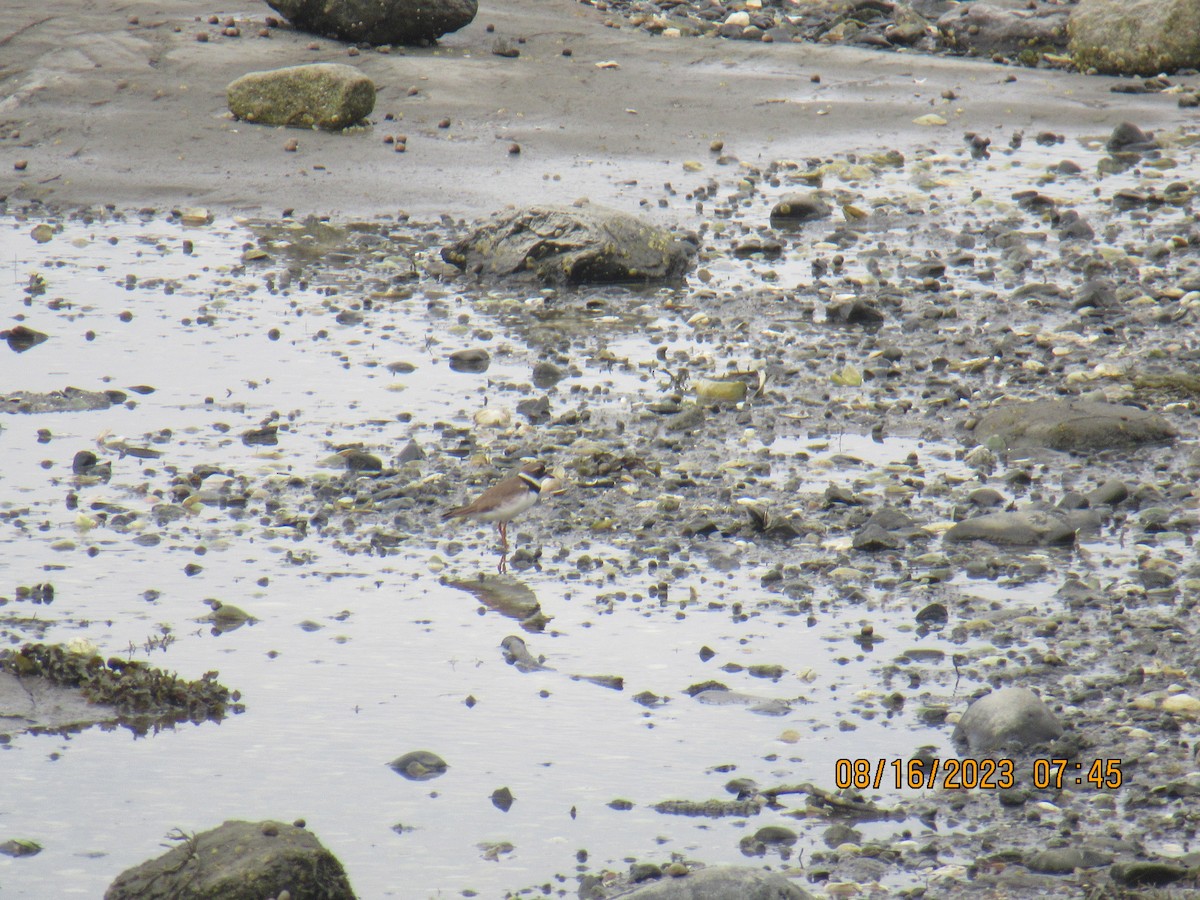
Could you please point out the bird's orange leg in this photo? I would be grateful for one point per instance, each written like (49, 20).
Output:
(503, 567)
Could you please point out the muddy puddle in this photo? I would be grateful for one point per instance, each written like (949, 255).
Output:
(248, 354)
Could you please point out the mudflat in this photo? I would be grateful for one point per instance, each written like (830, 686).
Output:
(125, 104)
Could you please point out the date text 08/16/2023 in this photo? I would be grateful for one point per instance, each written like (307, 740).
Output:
(977, 774)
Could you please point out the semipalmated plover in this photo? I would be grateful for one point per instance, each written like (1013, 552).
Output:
(504, 501)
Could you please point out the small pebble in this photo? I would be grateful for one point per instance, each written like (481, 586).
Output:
(444, 123)
(514, 149)
(291, 145)
(21, 165)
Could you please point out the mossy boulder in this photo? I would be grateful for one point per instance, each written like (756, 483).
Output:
(320, 95)
(1135, 37)
(238, 861)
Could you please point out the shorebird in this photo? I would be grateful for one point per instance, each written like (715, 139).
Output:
(504, 501)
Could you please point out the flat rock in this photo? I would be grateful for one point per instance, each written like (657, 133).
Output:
(378, 21)
(719, 883)
(67, 400)
(1080, 426)
(320, 95)
(238, 861)
(585, 244)
(1065, 860)
(1008, 718)
(1031, 527)
(1135, 37)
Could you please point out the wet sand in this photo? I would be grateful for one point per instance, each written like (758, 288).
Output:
(123, 105)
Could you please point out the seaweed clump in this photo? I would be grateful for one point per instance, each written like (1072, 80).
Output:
(133, 689)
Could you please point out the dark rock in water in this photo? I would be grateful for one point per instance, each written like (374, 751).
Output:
(873, 538)
(1030, 527)
(935, 614)
(546, 375)
(266, 436)
(769, 248)
(1007, 718)
(474, 360)
(21, 338)
(1135, 37)
(238, 861)
(319, 95)
(1065, 860)
(1149, 873)
(86, 463)
(1079, 426)
(718, 883)
(794, 210)
(379, 21)
(1110, 493)
(360, 461)
(855, 312)
(419, 765)
(986, 29)
(584, 244)
(1127, 137)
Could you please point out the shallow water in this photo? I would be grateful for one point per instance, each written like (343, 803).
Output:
(398, 653)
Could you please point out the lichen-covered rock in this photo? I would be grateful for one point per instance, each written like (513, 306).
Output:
(1135, 37)
(321, 95)
(379, 21)
(238, 861)
(1080, 426)
(583, 244)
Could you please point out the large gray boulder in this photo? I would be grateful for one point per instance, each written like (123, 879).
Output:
(320, 95)
(1135, 37)
(985, 29)
(238, 861)
(583, 244)
(1080, 426)
(1011, 717)
(379, 21)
